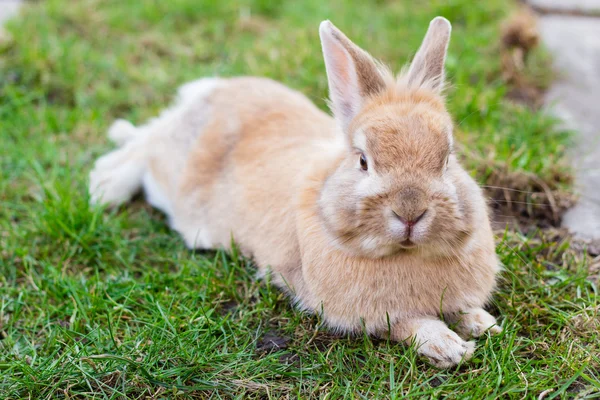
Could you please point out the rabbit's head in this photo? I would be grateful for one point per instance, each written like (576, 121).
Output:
(395, 188)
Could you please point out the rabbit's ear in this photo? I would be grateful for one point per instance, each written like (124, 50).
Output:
(352, 73)
(427, 68)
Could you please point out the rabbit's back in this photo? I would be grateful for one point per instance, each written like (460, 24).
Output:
(240, 175)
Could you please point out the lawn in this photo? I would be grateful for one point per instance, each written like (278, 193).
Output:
(110, 304)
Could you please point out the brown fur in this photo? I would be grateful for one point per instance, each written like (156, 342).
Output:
(282, 179)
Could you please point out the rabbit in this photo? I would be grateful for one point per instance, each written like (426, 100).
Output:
(366, 217)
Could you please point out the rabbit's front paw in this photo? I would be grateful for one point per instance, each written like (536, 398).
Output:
(474, 322)
(440, 345)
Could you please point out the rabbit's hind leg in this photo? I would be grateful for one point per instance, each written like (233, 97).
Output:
(122, 131)
(117, 176)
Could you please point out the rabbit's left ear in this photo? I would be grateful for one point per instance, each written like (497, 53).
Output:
(427, 68)
(351, 72)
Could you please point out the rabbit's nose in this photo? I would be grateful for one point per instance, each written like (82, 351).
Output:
(410, 222)
(410, 205)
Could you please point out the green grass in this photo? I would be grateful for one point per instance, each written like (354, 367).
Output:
(111, 304)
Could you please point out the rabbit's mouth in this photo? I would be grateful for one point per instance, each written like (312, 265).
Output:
(407, 244)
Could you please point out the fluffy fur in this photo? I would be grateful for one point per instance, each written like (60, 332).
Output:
(367, 218)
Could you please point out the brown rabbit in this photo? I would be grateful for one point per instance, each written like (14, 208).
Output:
(367, 218)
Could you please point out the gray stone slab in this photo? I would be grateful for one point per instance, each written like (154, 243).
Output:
(8, 9)
(575, 97)
(567, 5)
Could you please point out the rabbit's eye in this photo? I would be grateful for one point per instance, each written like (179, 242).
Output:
(363, 162)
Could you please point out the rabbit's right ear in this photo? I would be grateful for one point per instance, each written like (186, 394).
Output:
(351, 72)
(427, 68)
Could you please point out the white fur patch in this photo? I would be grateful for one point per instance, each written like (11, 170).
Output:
(422, 228)
(360, 140)
(443, 347)
(117, 176)
(331, 148)
(371, 185)
(470, 245)
(121, 132)
(155, 195)
(198, 90)
(476, 321)
(196, 238)
(370, 243)
(446, 186)
(396, 227)
(450, 137)
(188, 96)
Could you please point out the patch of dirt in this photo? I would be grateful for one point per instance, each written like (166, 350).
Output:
(524, 201)
(519, 200)
(271, 341)
(228, 307)
(323, 340)
(520, 36)
(527, 94)
(435, 382)
(578, 386)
